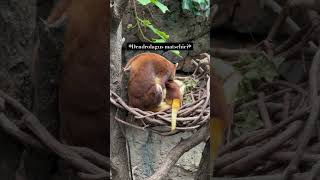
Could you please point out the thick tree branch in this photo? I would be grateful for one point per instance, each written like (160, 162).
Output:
(176, 152)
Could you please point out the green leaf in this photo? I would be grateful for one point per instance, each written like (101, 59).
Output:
(277, 61)
(252, 74)
(146, 22)
(158, 40)
(197, 7)
(144, 2)
(161, 34)
(190, 84)
(176, 52)
(129, 26)
(186, 5)
(254, 69)
(161, 6)
(247, 120)
(207, 14)
(187, 99)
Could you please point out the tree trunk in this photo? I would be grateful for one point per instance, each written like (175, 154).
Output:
(118, 141)
(17, 24)
(203, 172)
(44, 74)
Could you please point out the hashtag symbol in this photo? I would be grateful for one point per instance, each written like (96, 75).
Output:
(130, 46)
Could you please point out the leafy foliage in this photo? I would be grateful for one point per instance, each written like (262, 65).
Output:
(161, 6)
(247, 121)
(162, 36)
(254, 70)
(190, 84)
(176, 52)
(197, 7)
(241, 80)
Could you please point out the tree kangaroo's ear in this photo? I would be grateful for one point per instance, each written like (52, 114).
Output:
(58, 12)
(173, 75)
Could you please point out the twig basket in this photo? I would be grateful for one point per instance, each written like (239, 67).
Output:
(192, 115)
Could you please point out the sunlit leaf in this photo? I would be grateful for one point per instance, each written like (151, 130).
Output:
(161, 6)
(161, 34)
(144, 2)
(146, 22)
(158, 40)
(129, 26)
(197, 7)
(186, 5)
(176, 52)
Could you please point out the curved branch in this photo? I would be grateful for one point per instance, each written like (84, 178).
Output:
(82, 159)
(176, 152)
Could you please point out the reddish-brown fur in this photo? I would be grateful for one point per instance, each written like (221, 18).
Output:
(220, 108)
(173, 91)
(145, 68)
(84, 81)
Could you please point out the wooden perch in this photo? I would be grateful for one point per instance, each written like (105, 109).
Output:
(313, 117)
(264, 111)
(250, 161)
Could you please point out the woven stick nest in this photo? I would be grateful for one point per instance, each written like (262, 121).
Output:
(195, 110)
